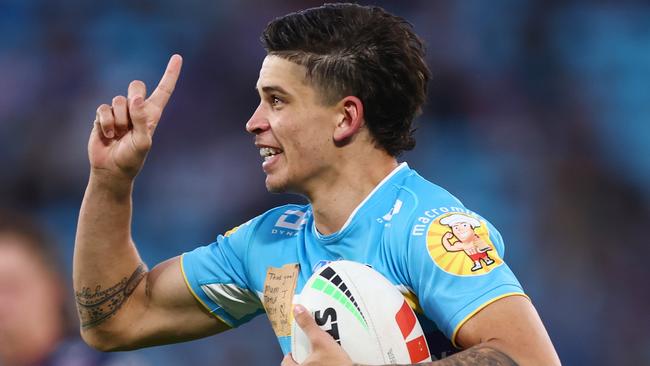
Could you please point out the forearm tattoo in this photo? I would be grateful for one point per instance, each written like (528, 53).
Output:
(96, 305)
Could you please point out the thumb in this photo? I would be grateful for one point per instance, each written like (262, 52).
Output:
(307, 324)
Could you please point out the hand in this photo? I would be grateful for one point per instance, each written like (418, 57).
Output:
(448, 235)
(122, 133)
(324, 350)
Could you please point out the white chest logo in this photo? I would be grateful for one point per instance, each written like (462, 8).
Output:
(393, 211)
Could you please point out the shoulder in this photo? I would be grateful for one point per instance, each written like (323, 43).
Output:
(291, 216)
(286, 219)
(420, 198)
(450, 256)
(428, 208)
(260, 230)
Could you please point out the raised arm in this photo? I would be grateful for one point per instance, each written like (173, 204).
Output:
(121, 304)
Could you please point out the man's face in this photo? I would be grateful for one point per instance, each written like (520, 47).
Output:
(292, 128)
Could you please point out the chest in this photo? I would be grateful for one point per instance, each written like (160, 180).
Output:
(367, 243)
(290, 264)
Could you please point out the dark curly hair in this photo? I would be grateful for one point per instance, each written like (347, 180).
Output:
(363, 51)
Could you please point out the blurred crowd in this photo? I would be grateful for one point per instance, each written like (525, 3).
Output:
(538, 118)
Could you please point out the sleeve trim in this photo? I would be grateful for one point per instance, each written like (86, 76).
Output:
(481, 307)
(189, 287)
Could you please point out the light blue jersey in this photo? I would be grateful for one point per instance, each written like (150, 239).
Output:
(444, 258)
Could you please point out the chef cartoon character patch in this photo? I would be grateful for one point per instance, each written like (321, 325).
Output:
(460, 244)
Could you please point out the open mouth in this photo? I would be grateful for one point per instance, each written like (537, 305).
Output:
(269, 152)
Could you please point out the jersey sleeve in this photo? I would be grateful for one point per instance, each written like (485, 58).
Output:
(216, 274)
(455, 266)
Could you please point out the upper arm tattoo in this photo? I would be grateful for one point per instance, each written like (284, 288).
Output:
(96, 305)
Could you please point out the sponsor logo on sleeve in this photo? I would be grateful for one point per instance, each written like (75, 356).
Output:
(290, 223)
(459, 243)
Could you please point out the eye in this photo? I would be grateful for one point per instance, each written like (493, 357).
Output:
(275, 101)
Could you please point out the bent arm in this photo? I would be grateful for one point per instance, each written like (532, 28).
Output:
(506, 332)
(121, 304)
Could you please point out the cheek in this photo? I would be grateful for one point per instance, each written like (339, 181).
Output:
(304, 135)
(305, 143)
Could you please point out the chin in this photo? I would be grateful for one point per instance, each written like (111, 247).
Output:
(274, 189)
(279, 184)
(273, 186)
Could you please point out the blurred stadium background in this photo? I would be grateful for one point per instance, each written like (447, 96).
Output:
(538, 118)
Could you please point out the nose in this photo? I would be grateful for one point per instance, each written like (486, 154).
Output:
(258, 123)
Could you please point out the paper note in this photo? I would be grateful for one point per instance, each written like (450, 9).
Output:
(279, 287)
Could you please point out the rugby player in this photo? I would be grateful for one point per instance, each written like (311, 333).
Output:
(339, 89)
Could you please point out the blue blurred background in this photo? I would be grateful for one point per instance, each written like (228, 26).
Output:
(538, 118)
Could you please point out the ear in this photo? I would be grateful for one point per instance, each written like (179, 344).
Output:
(351, 119)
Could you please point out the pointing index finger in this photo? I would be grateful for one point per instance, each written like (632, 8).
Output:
(165, 87)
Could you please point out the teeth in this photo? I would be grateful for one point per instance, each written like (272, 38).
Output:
(266, 152)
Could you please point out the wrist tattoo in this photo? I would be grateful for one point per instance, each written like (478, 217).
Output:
(96, 305)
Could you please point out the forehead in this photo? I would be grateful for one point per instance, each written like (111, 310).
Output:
(278, 72)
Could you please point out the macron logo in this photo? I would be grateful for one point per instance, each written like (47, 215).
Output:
(393, 211)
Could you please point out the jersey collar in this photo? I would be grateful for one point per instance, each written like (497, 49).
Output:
(403, 166)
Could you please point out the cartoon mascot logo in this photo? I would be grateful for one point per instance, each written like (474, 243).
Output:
(460, 244)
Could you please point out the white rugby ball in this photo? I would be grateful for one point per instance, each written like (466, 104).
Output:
(364, 313)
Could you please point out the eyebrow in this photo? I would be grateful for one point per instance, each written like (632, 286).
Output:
(274, 89)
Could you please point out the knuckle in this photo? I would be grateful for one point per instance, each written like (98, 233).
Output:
(119, 100)
(143, 146)
(105, 125)
(136, 84)
(106, 118)
(102, 108)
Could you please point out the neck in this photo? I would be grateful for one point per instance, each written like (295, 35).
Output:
(335, 198)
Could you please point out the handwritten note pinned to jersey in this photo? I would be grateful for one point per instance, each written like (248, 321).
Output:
(279, 286)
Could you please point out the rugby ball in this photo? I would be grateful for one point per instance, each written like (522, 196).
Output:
(364, 313)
